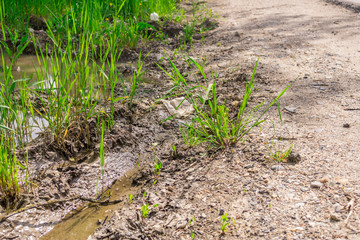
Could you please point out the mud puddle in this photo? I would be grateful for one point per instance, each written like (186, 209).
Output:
(82, 222)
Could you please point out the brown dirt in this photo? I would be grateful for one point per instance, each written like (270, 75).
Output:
(315, 43)
(311, 41)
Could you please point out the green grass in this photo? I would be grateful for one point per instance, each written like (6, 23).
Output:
(212, 121)
(77, 81)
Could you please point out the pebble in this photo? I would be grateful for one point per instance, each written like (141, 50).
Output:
(324, 180)
(290, 109)
(316, 184)
(334, 218)
(304, 189)
(337, 207)
(221, 212)
(300, 205)
(277, 167)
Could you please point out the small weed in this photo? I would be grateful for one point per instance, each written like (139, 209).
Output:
(278, 150)
(191, 222)
(174, 153)
(224, 223)
(189, 135)
(157, 165)
(145, 210)
(130, 198)
(145, 194)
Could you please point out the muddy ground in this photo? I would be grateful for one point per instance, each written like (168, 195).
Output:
(315, 197)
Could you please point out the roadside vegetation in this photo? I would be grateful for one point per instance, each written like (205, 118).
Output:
(77, 86)
(72, 96)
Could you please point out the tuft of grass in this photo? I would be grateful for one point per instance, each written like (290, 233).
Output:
(213, 122)
(10, 181)
(279, 151)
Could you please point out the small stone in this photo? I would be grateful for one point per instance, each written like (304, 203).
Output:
(157, 228)
(346, 125)
(290, 109)
(300, 205)
(248, 166)
(203, 215)
(324, 180)
(294, 157)
(235, 103)
(337, 207)
(99, 222)
(263, 191)
(304, 189)
(334, 218)
(221, 212)
(277, 167)
(316, 184)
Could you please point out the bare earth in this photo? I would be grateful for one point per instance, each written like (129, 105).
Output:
(310, 41)
(317, 44)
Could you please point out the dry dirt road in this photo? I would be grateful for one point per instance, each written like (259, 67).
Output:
(319, 43)
(316, 43)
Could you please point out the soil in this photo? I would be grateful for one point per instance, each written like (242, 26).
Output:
(314, 196)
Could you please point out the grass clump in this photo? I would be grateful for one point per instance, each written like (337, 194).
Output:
(278, 150)
(212, 122)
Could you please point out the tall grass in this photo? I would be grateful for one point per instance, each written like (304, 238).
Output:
(84, 16)
(77, 77)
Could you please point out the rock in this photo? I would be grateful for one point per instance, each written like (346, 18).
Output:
(221, 212)
(304, 189)
(157, 228)
(337, 207)
(316, 184)
(290, 109)
(346, 125)
(248, 166)
(334, 218)
(324, 179)
(277, 167)
(235, 103)
(300, 205)
(294, 157)
(203, 215)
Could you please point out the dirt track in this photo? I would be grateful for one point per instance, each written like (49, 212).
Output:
(316, 43)
(319, 43)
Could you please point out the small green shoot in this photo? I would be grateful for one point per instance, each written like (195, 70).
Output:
(157, 165)
(224, 223)
(145, 210)
(130, 198)
(191, 222)
(278, 150)
(174, 153)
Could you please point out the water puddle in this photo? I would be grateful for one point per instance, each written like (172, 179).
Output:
(81, 223)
